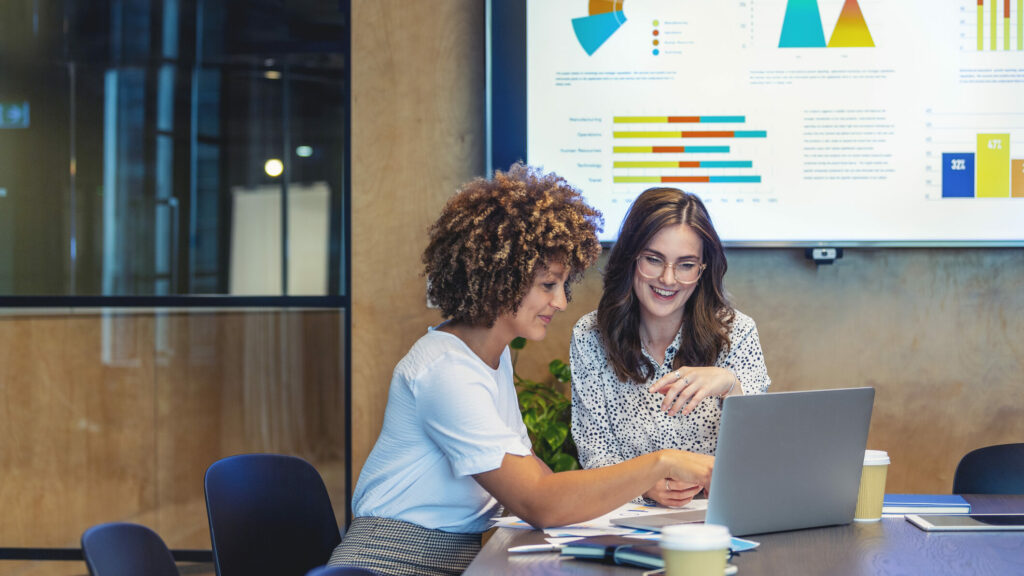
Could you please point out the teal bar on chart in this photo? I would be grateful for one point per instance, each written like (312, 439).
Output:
(802, 25)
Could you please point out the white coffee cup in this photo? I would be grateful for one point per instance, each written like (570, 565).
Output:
(695, 549)
(872, 486)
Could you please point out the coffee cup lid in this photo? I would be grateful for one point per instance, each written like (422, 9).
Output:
(875, 457)
(695, 537)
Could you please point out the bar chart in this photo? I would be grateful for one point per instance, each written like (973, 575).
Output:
(664, 149)
(999, 25)
(989, 171)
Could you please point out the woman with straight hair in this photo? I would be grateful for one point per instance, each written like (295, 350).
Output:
(453, 448)
(651, 365)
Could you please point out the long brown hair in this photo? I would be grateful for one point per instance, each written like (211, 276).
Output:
(707, 314)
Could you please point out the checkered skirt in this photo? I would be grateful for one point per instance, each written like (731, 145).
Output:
(394, 547)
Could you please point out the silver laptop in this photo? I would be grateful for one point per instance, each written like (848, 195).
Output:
(784, 461)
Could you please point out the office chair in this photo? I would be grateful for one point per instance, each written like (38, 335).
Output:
(124, 549)
(340, 571)
(995, 469)
(269, 514)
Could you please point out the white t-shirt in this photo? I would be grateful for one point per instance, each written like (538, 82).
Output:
(449, 416)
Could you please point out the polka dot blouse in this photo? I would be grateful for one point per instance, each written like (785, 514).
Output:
(615, 421)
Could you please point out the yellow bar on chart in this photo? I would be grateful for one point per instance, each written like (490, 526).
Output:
(645, 164)
(993, 166)
(636, 179)
(639, 119)
(1020, 24)
(646, 134)
(994, 23)
(981, 25)
(1017, 179)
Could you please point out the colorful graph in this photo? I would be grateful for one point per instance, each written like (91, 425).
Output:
(657, 168)
(802, 28)
(605, 18)
(988, 172)
(1007, 20)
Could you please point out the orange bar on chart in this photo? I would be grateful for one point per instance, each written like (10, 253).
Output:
(1017, 179)
(685, 179)
(1006, 24)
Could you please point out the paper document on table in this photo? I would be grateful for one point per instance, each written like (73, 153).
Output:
(602, 524)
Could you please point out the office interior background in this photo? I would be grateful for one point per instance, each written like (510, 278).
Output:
(142, 175)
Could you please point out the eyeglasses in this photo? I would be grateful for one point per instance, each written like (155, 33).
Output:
(650, 266)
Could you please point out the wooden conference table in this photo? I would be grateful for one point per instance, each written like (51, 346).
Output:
(892, 546)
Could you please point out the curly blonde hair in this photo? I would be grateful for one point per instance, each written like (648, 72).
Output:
(492, 236)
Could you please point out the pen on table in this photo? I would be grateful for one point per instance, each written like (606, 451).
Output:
(532, 548)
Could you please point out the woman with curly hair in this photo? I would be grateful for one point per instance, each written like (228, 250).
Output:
(652, 363)
(453, 447)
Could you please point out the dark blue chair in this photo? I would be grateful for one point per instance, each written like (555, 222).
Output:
(340, 571)
(269, 514)
(995, 469)
(124, 549)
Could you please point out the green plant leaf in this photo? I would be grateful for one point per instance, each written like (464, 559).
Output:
(530, 419)
(555, 434)
(526, 398)
(561, 462)
(547, 414)
(560, 370)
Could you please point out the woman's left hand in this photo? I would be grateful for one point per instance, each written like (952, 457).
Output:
(689, 386)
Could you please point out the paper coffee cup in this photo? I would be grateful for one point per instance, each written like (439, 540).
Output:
(695, 549)
(872, 486)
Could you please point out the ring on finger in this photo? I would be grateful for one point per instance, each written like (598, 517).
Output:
(678, 376)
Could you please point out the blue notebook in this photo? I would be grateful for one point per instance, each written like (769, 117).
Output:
(925, 504)
(615, 549)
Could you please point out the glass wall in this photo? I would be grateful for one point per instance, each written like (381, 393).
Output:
(163, 151)
(172, 147)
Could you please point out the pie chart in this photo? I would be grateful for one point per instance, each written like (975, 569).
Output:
(605, 17)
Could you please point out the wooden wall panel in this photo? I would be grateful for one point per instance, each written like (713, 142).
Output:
(939, 332)
(72, 427)
(115, 417)
(417, 134)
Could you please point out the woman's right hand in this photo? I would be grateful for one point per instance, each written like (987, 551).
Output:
(673, 493)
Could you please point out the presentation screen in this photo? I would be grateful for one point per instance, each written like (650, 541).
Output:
(797, 122)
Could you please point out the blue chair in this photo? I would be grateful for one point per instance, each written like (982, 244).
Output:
(340, 571)
(269, 514)
(995, 469)
(124, 549)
